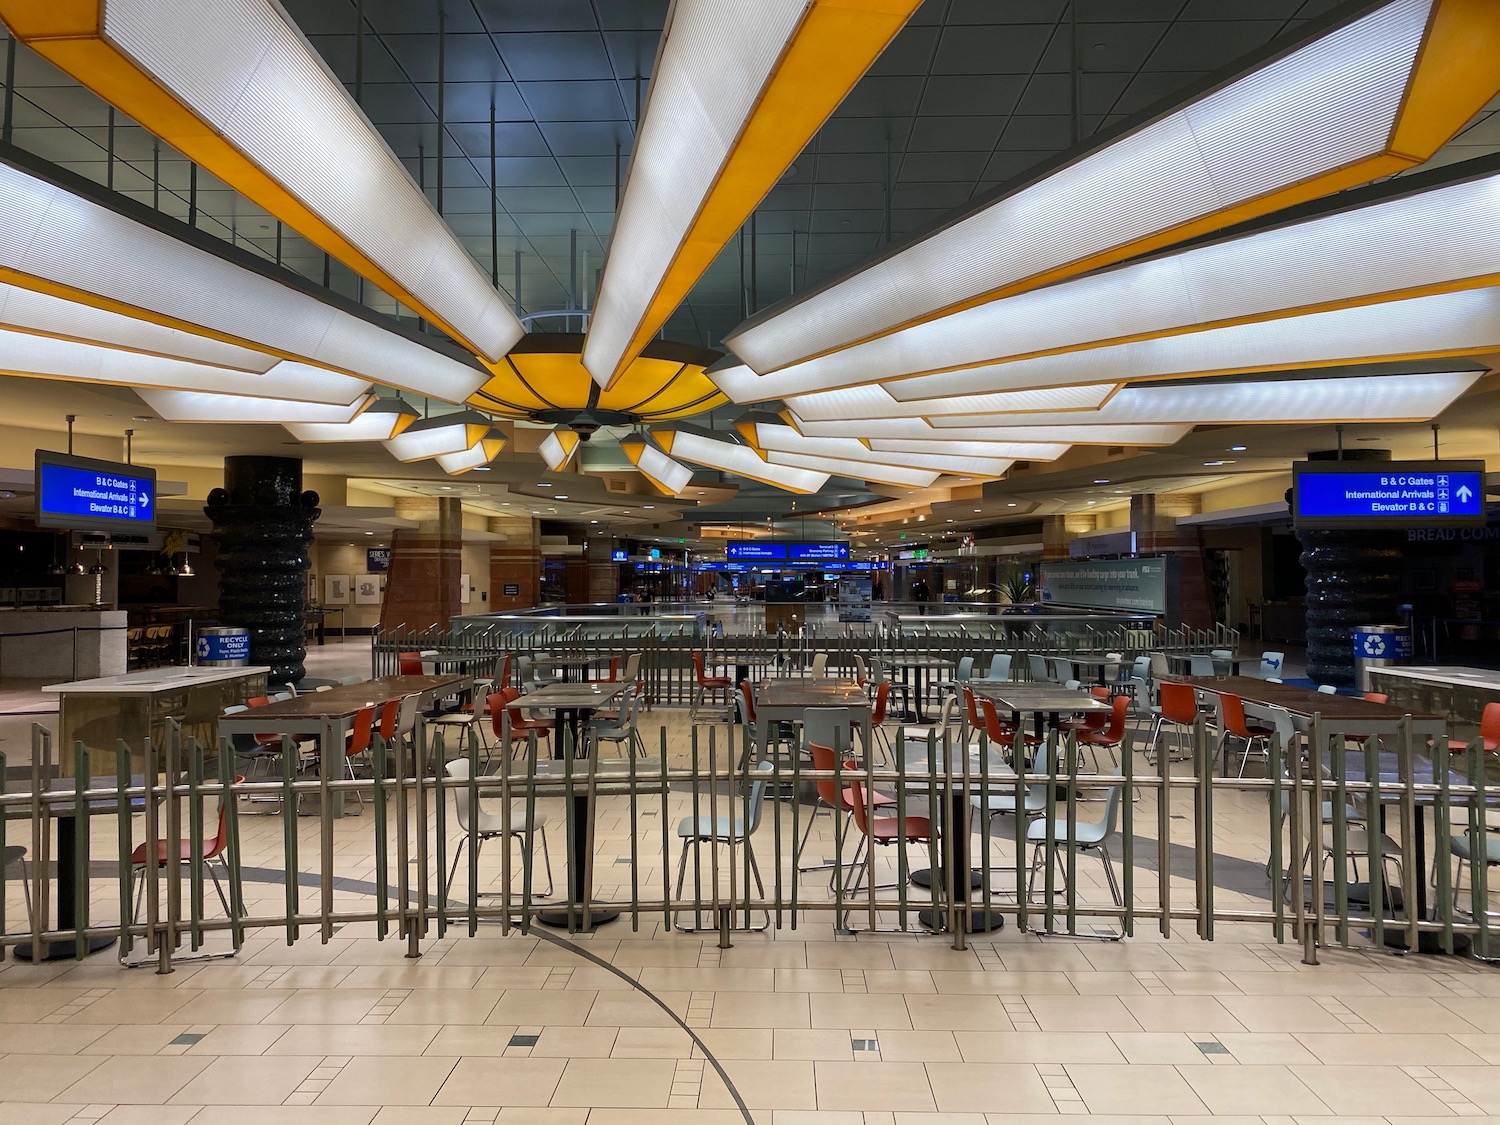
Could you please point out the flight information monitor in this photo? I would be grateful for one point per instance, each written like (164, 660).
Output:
(88, 495)
(1394, 494)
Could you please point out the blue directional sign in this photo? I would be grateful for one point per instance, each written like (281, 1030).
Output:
(757, 552)
(817, 551)
(85, 494)
(1331, 494)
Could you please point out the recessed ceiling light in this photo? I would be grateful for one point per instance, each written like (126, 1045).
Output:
(1093, 501)
(978, 509)
(647, 507)
(1101, 480)
(542, 484)
(445, 488)
(562, 496)
(593, 521)
(1010, 505)
(142, 418)
(369, 533)
(1237, 448)
(481, 468)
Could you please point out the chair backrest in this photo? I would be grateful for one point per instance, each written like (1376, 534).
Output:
(1179, 702)
(1327, 689)
(857, 802)
(1160, 669)
(323, 687)
(406, 715)
(528, 670)
(828, 725)
(496, 702)
(1037, 665)
(823, 758)
(698, 672)
(1201, 665)
(819, 664)
(1112, 808)
(291, 689)
(1141, 669)
(213, 848)
(1377, 697)
(258, 700)
(502, 676)
(747, 704)
(758, 787)
(458, 770)
(1232, 715)
(1220, 653)
(882, 697)
(364, 726)
(1280, 719)
(965, 669)
(861, 671)
(971, 704)
(350, 680)
(1489, 727)
(1072, 685)
(1270, 664)
(389, 713)
(409, 663)
(1000, 666)
(633, 666)
(992, 726)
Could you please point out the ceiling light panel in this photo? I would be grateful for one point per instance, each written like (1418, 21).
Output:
(443, 435)
(986, 429)
(557, 449)
(736, 92)
(480, 454)
(234, 86)
(856, 470)
(740, 460)
(194, 406)
(1363, 100)
(645, 454)
(60, 243)
(784, 439)
(1458, 323)
(1368, 398)
(877, 401)
(382, 420)
(1013, 450)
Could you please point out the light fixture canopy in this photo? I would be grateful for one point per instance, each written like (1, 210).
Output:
(195, 406)
(485, 450)
(558, 447)
(440, 435)
(661, 470)
(728, 457)
(382, 420)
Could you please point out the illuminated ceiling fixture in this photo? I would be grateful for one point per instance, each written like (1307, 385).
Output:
(557, 449)
(990, 429)
(1430, 240)
(235, 87)
(875, 401)
(26, 354)
(728, 457)
(439, 435)
(784, 439)
(856, 470)
(743, 385)
(1411, 397)
(738, 90)
(543, 378)
(485, 450)
(1014, 450)
(648, 456)
(58, 242)
(195, 406)
(1343, 106)
(382, 420)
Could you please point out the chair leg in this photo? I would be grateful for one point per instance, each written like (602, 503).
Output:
(453, 869)
(806, 834)
(546, 861)
(219, 887)
(1109, 876)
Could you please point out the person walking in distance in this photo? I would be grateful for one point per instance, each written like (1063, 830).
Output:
(920, 593)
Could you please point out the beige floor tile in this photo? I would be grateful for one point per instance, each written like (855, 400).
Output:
(577, 1042)
(772, 1009)
(1359, 1089)
(245, 1081)
(957, 1013)
(1037, 1047)
(238, 1039)
(1081, 1013)
(809, 980)
(525, 1007)
(218, 1005)
(1407, 1014)
(635, 1009)
(674, 979)
(652, 1042)
(355, 1039)
(149, 1115)
(418, 975)
(38, 1113)
(1280, 1013)
(379, 1082)
(40, 1078)
(540, 1115)
(919, 1046)
(1391, 1049)
(737, 1042)
(858, 1010)
(1252, 1090)
(1141, 1089)
(325, 1005)
(446, 1006)
(134, 1039)
(1200, 983)
(874, 1085)
(764, 1084)
(1480, 1084)
(1177, 1048)
(29, 1005)
(1322, 982)
(1003, 983)
(47, 1038)
(849, 955)
(464, 1039)
(139, 1006)
(815, 1044)
(285, 1115)
(513, 1082)
(664, 1117)
(139, 1080)
(905, 981)
(1481, 1011)
(1181, 1013)
(1265, 1047)
(1106, 984)
(964, 1088)
(420, 1115)
(1483, 1047)
(619, 1083)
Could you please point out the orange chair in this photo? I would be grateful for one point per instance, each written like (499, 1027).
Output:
(1178, 706)
(614, 672)
(1233, 724)
(877, 720)
(1000, 733)
(212, 849)
(882, 830)
(1109, 736)
(409, 664)
(831, 798)
(502, 703)
(706, 685)
(1489, 731)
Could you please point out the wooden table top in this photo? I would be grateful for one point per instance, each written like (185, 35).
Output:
(347, 699)
(1303, 701)
(806, 691)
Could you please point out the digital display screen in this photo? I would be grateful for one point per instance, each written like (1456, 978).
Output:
(1332, 494)
(82, 493)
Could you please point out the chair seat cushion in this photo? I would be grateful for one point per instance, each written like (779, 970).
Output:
(1086, 833)
(886, 829)
(1357, 842)
(1464, 849)
(164, 851)
(711, 827)
(878, 799)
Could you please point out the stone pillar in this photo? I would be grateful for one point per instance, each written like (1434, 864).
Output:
(1154, 521)
(421, 588)
(1353, 578)
(1059, 531)
(515, 563)
(603, 571)
(263, 523)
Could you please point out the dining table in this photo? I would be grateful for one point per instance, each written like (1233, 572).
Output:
(1232, 661)
(574, 705)
(787, 698)
(1044, 702)
(1098, 664)
(574, 666)
(915, 671)
(1345, 714)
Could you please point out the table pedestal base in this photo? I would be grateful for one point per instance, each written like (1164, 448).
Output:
(61, 950)
(922, 877)
(980, 921)
(561, 919)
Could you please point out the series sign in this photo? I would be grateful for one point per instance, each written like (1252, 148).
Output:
(84, 494)
(1356, 494)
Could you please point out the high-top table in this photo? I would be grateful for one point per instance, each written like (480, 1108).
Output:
(329, 715)
(1346, 714)
(1044, 702)
(573, 705)
(788, 697)
(914, 672)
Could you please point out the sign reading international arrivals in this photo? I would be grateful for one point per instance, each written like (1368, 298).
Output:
(1396, 494)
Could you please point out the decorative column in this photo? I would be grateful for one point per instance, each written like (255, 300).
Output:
(421, 588)
(515, 564)
(263, 524)
(1353, 578)
(1154, 520)
(1060, 531)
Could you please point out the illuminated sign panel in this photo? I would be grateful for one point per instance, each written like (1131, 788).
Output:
(786, 552)
(1353, 494)
(85, 494)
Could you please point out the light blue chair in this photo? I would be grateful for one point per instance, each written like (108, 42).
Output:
(1091, 837)
(963, 675)
(1464, 850)
(1039, 667)
(622, 731)
(999, 666)
(734, 828)
(1002, 802)
(1200, 665)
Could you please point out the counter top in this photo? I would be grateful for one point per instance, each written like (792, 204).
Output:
(154, 680)
(1443, 674)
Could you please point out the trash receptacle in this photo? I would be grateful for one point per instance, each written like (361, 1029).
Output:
(1379, 646)
(222, 646)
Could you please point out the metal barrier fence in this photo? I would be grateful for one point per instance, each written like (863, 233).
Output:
(667, 668)
(697, 811)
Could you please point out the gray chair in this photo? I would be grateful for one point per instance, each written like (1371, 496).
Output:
(961, 676)
(1039, 667)
(1464, 849)
(1091, 837)
(16, 854)
(485, 825)
(1201, 665)
(734, 829)
(621, 731)
(999, 666)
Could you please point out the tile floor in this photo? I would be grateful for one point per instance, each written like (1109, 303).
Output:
(790, 1027)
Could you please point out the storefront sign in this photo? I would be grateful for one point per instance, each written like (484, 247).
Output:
(377, 559)
(1134, 585)
(618, 555)
(511, 590)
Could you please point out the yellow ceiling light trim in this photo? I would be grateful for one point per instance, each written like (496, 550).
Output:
(382, 420)
(238, 89)
(557, 449)
(784, 439)
(443, 435)
(739, 460)
(738, 90)
(1352, 103)
(669, 476)
(480, 454)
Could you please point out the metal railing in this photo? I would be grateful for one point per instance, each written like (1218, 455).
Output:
(692, 812)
